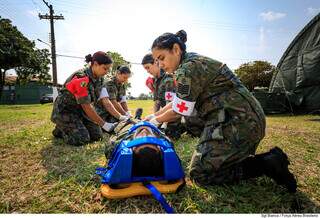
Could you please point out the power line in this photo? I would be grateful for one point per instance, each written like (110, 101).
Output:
(52, 17)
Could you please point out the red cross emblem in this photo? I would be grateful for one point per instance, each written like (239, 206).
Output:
(168, 96)
(182, 107)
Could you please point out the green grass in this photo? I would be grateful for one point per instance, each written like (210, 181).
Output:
(39, 174)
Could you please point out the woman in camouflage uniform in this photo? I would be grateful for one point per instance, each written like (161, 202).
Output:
(163, 84)
(76, 120)
(116, 89)
(234, 119)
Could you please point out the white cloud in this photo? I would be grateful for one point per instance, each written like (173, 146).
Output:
(313, 11)
(271, 16)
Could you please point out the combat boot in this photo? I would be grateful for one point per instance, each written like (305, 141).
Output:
(57, 133)
(276, 167)
(273, 164)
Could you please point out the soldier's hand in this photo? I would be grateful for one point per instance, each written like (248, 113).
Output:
(108, 127)
(149, 117)
(128, 114)
(155, 122)
(123, 118)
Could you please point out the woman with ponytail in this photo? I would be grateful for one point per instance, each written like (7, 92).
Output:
(234, 120)
(76, 120)
(116, 88)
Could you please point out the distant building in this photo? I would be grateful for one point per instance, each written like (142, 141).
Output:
(28, 93)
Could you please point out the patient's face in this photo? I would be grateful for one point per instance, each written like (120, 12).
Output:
(144, 131)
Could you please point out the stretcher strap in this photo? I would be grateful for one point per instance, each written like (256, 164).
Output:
(159, 197)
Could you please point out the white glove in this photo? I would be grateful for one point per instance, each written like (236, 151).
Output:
(128, 114)
(149, 117)
(155, 121)
(108, 127)
(123, 118)
(164, 125)
(183, 120)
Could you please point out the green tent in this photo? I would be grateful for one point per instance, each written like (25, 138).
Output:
(298, 71)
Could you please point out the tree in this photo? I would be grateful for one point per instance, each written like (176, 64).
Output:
(256, 73)
(143, 96)
(118, 60)
(38, 67)
(17, 51)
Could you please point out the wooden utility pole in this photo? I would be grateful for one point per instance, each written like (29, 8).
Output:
(52, 17)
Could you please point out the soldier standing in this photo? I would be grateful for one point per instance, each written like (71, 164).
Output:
(116, 91)
(76, 120)
(234, 120)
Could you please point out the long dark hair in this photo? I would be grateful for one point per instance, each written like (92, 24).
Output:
(148, 162)
(100, 57)
(167, 40)
(147, 59)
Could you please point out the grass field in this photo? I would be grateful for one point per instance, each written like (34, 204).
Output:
(39, 174)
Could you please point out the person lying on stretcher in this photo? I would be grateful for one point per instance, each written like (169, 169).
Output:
(147, 147)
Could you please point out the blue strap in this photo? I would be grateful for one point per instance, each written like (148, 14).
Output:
(159, 197)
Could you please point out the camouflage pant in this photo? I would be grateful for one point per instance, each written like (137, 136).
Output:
(194, 125)
(77, 130)
(230, 136)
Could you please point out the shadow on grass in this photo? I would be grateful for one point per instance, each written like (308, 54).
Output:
(260, 195)
(64, 161)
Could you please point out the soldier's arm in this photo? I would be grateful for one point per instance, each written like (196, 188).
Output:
(118, 106)
(156, 106)
(112, 90)
(108, 106)
(169, 90)
(92, 114)
(124, 106)
(168, 116)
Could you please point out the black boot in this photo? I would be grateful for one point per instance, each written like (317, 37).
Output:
(138, 113)
(57, 133)
(273, 164)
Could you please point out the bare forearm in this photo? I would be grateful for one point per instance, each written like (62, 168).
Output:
(118, 107)
(124, 106)
(164, 109)
(92, 114)
(168, 116)
(108, 106)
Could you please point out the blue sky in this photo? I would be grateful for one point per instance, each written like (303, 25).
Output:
(232, 31)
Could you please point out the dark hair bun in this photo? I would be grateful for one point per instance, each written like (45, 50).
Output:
(182, 35)
(124, 69)
(88, 58)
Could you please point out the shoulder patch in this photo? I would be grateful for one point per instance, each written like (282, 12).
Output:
(83, 84)
(184, 87)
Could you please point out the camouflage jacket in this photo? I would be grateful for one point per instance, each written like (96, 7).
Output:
(204, 86)
(80, 88)
(164, 88)
(116, 91)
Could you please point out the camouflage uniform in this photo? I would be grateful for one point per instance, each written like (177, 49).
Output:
(164, 92)
(163, 88)
(72, 124)
(234, 119)
(116, 91)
